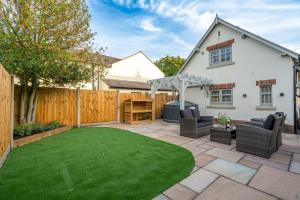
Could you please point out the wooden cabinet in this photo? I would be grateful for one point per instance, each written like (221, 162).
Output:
(138, 110)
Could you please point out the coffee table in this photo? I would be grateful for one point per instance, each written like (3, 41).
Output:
(222, 135)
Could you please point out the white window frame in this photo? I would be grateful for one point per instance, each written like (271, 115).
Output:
(220, 97)
(269, 104)
(228, 52)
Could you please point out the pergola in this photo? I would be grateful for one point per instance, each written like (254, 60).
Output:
(180, 82)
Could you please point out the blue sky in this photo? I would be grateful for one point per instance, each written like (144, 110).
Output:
(173, 27)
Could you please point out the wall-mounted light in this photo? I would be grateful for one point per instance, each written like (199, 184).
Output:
(281, 94)
(244, 95)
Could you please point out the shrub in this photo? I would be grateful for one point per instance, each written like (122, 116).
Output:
(54, 124)
(24, 129)
(37, 128)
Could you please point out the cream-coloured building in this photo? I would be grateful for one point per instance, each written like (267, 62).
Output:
(252, 77)
(129, 74)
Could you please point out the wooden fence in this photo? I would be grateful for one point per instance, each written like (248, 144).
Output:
(5, 113)
(95, 106)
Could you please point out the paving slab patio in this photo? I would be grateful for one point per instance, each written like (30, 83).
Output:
(268, 162)
(220, 181)
(296, 157)
(225, 154)
(161, 197)
(249, 163)
(295, 168)
(202, 159)
(199, 180)
(226, 189)
(179, 192)
(174, 139)
(235, 171)
(284, 185)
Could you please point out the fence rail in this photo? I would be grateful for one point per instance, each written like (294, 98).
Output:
(95, 106)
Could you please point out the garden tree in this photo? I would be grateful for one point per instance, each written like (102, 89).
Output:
(97, 63)
(170, 65)
(38, 42)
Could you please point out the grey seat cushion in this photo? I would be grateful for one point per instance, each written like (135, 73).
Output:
(186, 114)
(269, 122)
(204, 124)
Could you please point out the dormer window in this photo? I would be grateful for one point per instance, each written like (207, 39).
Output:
(221, 55)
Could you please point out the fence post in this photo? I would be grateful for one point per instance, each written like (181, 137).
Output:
(78, 106)
(118, 106)
(12, 113)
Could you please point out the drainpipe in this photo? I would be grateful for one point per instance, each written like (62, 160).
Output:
(295, 97)
(296, 62)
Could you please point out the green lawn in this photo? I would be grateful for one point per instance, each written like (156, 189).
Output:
(93, 163)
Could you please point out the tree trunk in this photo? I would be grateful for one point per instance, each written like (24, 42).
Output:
(32, 97)
(28, 103)
(23, 103)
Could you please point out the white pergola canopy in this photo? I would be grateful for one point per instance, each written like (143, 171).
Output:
(180, 82)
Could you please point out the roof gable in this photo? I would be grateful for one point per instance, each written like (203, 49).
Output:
(242, 32)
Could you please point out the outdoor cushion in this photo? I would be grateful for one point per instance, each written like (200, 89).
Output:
(196, 114)
(204, 124)
(269, 122)
(186, 114)
(278, 114)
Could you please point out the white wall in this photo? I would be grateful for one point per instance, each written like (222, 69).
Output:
(253, 61)
(134, 68)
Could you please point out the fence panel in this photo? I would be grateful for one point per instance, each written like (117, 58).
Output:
(98, 106)
(56, 104)
(5, 110)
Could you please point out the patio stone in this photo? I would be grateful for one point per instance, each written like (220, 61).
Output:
(194, 169)
(225, 154)
(206, 146)
(295, 167)
(281, 158)
(288, 153)
(202, 159)
(227, 189)
(296, 157)
(179, 192)
(220, 145)
(194, 147)
(231, 170)
(173, 139)
(268, 162)
(284, 185)
(249, 163)
(161, 197)
(199, 180)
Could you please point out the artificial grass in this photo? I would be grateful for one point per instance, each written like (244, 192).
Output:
(93, 163)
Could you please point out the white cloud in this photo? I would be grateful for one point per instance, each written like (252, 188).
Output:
(148, 25)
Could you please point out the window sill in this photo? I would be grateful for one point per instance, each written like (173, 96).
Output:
(211, 66)
(221, 106)
(265, 108)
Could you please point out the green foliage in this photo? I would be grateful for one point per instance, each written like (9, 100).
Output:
(38, 48)
(222, 119)
(170, 65)
(23, 130)
(29, 129)
(36, 128)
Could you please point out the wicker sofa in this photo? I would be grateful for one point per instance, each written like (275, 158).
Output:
(193, 125)
(259, 122)
(257, 140)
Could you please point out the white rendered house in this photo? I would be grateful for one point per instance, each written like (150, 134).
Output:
(130, 74)
(251, 76)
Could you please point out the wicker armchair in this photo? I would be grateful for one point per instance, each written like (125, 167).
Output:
(279, 136)
(257, 140)
(195, 127)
